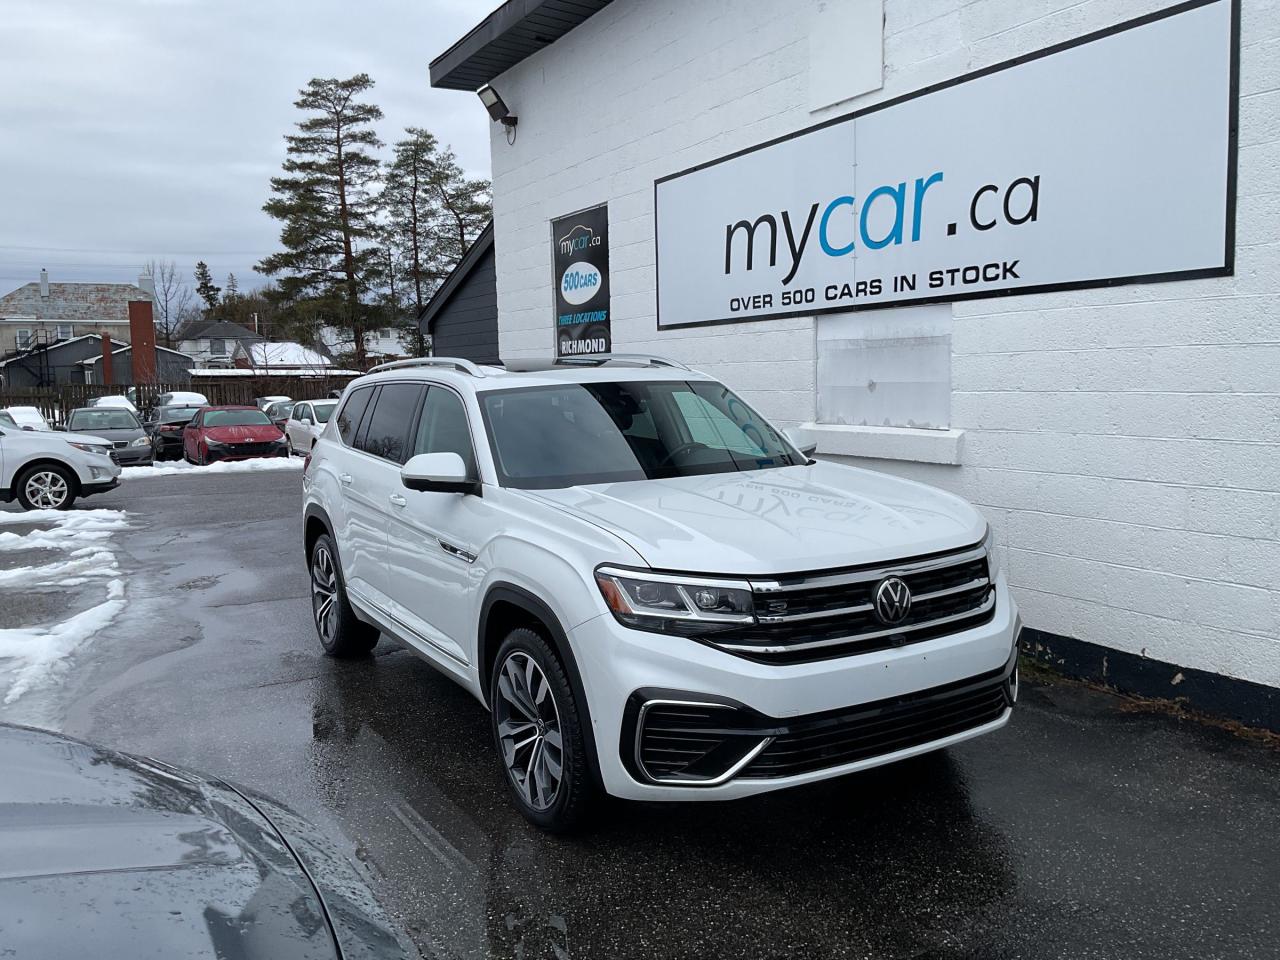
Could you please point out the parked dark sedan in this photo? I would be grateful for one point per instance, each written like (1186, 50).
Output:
(130, 445)
(166, 430)
(108, 855)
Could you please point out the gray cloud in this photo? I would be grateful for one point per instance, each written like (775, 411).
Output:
(149, 128)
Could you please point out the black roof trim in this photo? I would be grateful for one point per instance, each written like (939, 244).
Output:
(516, 30)
(475, 253)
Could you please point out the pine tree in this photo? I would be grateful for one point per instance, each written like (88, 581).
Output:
(205, 289)
(327, 206)
(232, 289)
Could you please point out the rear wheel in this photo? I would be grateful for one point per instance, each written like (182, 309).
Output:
(341, 632)
(46, 487)
(538, 732)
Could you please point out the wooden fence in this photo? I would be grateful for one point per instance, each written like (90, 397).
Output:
(56, 402)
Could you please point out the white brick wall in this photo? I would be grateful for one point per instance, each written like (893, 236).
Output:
(1125, 442)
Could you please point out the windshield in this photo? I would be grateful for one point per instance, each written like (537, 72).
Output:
(177, 414)
(7, 420)
(324, 411)
(280, 411)
(562, 436)
(103, 420)
(235, 418)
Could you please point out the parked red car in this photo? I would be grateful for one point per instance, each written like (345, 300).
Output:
(231, 433)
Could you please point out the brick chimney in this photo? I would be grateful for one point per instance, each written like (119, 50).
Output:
(142, 334)
(106, 359)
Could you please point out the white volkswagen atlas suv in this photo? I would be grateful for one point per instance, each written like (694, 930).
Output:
(652, 591)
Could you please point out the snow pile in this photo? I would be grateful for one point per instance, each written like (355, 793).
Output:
(221, 466)
(39, 655)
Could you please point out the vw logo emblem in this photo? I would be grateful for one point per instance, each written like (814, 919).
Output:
(892, 600)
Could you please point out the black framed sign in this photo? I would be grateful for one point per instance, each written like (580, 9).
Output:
(580, 271)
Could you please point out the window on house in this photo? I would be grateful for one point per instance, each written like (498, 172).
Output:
(217, 347)
(65, 331)
(22, 339)
(886, 368)
(384, 333)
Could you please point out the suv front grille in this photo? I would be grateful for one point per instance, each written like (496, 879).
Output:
(831, 613)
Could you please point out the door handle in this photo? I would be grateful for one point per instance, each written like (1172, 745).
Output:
(398, 500)
(345, 478)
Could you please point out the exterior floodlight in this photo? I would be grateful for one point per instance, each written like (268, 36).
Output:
(497, 109)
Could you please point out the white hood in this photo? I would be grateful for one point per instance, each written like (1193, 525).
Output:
(774, 521)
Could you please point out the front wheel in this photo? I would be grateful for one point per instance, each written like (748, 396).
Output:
(538, 733)
(47, 487)
(342, 633)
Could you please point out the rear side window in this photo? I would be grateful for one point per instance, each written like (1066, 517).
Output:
(443, 428)
(388, 432)
(352, 412)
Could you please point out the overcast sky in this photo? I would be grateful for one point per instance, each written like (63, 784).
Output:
(133, 129)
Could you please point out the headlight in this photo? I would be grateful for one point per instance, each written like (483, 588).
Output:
(670, 603)
(141, 442)
(213, 443)
(91, 448)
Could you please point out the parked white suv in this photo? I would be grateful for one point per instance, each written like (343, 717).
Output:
(47, 471)
(653, 591)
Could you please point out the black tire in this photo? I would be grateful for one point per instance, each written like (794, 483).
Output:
(47, 486)
(341, 632)
(574, 793)
(288, 444)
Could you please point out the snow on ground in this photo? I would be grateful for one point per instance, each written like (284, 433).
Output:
(37, 656)
(221, 466)
(33, 656)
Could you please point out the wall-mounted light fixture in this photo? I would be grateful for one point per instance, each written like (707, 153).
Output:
(497, 109)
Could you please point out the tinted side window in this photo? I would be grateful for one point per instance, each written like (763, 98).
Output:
(388, 432)
(352, 411)
(443, 428)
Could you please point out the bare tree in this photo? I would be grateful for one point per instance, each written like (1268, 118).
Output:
(172, 296)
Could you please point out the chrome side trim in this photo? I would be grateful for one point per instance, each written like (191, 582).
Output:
(986, 607)
(672, 781)
(458, 552)
(864, 576)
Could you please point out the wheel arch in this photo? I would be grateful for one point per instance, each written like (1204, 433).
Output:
(47, 461)
(507, 606)
(315, 522)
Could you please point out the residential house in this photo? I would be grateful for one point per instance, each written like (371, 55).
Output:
(381, 343)
(41, 313)
(461, 319)
(284, 355)
(54, 363)
(172, 366)
(213, 343)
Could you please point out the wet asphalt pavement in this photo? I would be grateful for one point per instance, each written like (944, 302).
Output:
(1084, 829)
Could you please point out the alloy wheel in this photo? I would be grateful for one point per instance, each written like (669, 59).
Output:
(47, 490)
(324, 594)
(529, 730)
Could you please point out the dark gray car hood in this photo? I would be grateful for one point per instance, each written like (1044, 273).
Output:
(108, 855)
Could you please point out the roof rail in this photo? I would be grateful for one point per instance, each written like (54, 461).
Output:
(456, 363)
(647, 359)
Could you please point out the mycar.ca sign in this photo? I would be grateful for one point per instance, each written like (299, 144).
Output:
(580, 268)
(1104, 160)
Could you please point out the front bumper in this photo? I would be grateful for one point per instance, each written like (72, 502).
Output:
(132, 456)
(765, 710)
(230, 452)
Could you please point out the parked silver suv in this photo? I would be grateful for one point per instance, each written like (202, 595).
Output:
(44, 470)
(653, 591)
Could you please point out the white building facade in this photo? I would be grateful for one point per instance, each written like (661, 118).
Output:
(1122, 435)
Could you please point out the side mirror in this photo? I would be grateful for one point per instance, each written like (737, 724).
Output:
(29, 428)
(437, 473)
(306, 420)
